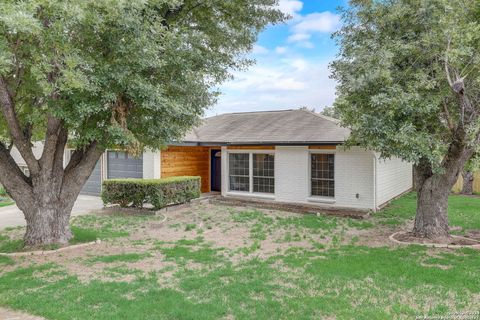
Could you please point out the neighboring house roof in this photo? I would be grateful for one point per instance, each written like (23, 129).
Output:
(288, 127)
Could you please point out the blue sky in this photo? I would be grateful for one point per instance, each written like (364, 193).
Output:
(292, 60)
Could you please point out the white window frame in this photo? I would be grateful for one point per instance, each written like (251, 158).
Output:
(315, 198)
(250, 193)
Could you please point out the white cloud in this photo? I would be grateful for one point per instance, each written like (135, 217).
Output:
(299, 64)
(262, 79)
(290, 7)
(285, 80)
(306, 44)
(281, 50)
(324, 22)
(288, 84)
(258, 49)
(298, 37)
(314, 23)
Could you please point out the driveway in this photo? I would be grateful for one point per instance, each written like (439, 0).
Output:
(11, 216)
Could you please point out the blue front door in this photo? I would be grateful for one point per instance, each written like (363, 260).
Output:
(216, 170)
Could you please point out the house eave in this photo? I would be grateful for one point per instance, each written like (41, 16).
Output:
(255, 143)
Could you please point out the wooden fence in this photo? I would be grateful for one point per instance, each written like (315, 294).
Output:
(476, 183)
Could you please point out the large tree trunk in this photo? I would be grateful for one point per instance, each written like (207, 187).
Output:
(47, 197)
(431, 220)
(47, 225)
(50, 199)
(433, 186)
(433, 189)
(467, 187)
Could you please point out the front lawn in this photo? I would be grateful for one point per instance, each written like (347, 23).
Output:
(463, 212)
(217, 262)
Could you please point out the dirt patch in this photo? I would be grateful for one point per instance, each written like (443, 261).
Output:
(6, 314)
(127, 211)
(239, 231)
(275, 205)
(234, 239)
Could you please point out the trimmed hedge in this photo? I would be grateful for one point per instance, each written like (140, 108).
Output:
(157, 192)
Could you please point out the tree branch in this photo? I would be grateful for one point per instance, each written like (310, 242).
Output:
(79, 168)
(12, 178)
(16, 132)
(451, 127)
(447, 72)
(52, 137)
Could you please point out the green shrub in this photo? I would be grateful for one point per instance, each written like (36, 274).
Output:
(158, 192)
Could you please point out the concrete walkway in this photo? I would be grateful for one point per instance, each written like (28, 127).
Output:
(11, 216)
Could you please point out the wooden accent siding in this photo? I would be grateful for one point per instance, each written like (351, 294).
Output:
(187, 161)
(323, 147)
(251, 147)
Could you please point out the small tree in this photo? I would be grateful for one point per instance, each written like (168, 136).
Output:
(408, 77)
(330, 112)
(468, 174)
(107, 73)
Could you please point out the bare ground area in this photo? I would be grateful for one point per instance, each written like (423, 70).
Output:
(214, 261)
(236, 232)
(6, 314)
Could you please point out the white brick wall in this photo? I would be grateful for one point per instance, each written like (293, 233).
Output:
(394, 177)
(291, 174)
(354, 173)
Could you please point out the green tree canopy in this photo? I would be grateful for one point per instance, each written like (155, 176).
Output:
(123, 72)
(98, 74)
(330, 112)
(393, 87)
(408, 77)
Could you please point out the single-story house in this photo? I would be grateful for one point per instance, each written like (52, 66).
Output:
(287, 156)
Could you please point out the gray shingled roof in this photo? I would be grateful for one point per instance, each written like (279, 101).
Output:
(280, 127)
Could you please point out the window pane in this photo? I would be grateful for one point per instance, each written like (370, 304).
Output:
(263, 173)
(239, 183)
(265, 185)
(324, 188)
(238, 167)
(322, 175)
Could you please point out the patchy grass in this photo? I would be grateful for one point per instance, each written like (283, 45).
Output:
(6, 260)
(14, 242)
(251, 264)
(126, 257)
(11, 239)
(183, 254)
(9, 245)
(348, 282)
(399, 210)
